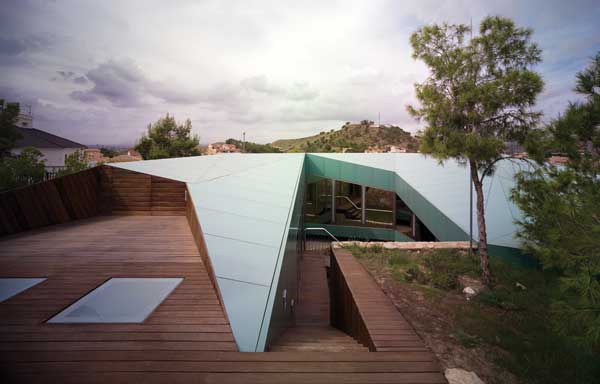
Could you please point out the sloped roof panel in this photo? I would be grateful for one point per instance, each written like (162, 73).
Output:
(243, 203)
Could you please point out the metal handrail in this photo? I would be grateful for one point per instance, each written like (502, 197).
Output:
(324, 230)
(357, 207)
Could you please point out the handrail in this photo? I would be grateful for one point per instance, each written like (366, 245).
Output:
(324, 230)
(356, 206)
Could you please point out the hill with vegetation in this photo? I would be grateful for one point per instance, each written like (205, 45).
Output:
(250, 147)
(351, 138)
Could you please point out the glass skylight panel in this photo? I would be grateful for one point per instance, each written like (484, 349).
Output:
(11, 286)
(119, 300)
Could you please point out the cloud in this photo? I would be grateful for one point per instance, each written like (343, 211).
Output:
(119, 82)
(80, 80)
(70, 77)
(274, 69)
(296, 91)
(15, 51)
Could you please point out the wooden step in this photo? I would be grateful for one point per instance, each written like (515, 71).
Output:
(323, 339)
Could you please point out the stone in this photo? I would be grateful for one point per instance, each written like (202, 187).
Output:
(460, 376)
(469, 291)
(467, 281)
(519, 285)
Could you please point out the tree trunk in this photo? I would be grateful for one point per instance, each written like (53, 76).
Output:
(483, 246)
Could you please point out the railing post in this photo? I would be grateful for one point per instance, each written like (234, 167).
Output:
(332, 201)
(363, 204)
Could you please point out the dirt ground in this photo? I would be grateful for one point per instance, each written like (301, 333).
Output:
(432, 314)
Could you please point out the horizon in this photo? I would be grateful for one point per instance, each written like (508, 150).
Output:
(274, 71)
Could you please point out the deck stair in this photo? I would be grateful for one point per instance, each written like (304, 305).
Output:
(312, 331)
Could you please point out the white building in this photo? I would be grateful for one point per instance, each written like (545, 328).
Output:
(55, 149)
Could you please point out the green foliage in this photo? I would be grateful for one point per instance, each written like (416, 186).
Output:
(509, 323)
(350, 138)
(166, 139)
(108, 152)
(480, 94)
(75, 162)
(250, 147)
(561, 209)
(8, 134)
(24, 169)
(446, 265)
(438, 268)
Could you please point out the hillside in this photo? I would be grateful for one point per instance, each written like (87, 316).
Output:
(351, 138)
(251, 147)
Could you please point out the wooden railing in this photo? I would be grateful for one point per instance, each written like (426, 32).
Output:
(95, 191)
(56, 201)
(194, 223)
(344, 311)
(362, 309)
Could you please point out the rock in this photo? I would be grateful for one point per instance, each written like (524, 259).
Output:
(466, 281)
(460, 376)
(519, 285)
(469, 291)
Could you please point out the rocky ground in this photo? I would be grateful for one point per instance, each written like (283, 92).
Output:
(433, 314)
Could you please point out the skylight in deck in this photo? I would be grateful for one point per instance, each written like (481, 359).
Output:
(12, 286)
(119, 300)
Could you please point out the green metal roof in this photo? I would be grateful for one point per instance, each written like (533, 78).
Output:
(248, 206)
(421, 180)
(244, 204)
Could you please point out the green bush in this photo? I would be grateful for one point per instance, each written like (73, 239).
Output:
(446, 265)
(400, 259)
(376, 248)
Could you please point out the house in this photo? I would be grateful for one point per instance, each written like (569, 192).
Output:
(94, 156)
(215, 148)
(162, 269)
(54, 149)
(129, 156)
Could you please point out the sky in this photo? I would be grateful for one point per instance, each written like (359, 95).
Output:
(98, 72)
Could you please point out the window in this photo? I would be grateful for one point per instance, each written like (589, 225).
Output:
(119, 300)
(380, 207)
(348, 203)
(318, 202)
(12, 286)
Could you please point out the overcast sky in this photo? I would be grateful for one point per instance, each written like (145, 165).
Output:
(99, 71)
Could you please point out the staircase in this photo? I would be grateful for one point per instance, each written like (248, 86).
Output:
(316, 338)
(312, 331)
(353, 213)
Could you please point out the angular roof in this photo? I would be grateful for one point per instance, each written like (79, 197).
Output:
(446, 186)
(243, 203)
(33, 137)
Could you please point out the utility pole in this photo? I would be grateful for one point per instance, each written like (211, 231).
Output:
(244, 142)
(471, 190)
(470, 216)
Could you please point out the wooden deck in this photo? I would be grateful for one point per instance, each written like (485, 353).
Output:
(187, 339)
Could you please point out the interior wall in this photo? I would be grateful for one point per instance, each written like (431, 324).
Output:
(439, 224)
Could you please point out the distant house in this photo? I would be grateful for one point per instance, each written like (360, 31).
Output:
(215, 148)
(55, 149)
(129, 156)
(94, 156)
(385, 149)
